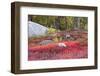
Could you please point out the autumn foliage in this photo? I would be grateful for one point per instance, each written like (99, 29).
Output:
(52, 51)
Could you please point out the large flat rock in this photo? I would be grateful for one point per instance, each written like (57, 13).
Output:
(35, 29)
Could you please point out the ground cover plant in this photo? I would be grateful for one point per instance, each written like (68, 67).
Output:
(57, 37)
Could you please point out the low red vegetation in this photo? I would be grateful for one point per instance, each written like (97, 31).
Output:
(52, 51)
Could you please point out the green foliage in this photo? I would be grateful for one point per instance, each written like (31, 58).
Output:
(84, 23)
(55, 39)
(64, 22)
(70, 22)
(51, 30)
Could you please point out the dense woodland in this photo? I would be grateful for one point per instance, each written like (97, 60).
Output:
(61, 22)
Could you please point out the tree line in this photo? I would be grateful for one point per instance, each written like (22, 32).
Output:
(61, 22)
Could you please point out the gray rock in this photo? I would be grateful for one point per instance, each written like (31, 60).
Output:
(44, 42)
(35, 29)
